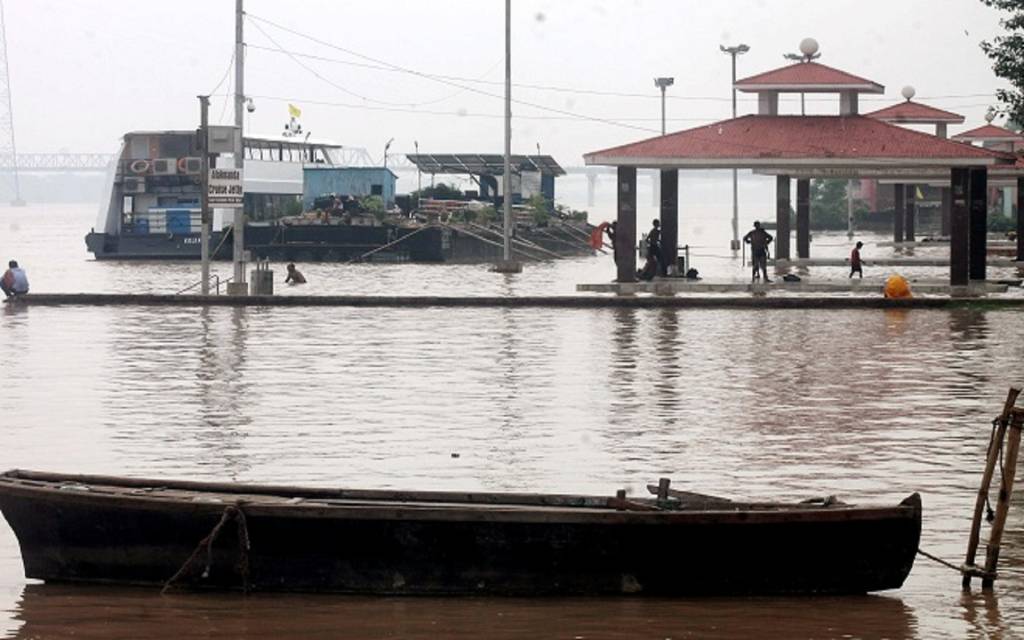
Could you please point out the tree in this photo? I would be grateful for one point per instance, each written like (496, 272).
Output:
(828, 204)
(1007, 55)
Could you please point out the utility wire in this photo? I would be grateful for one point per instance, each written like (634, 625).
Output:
(449, 82)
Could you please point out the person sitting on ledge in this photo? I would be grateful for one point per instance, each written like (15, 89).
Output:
(294, 275)
(14, 281)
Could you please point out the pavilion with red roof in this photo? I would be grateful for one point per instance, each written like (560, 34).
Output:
(846, 145)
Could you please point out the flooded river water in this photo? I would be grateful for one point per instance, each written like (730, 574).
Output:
(869, 405)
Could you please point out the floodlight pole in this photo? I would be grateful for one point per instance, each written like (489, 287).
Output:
(506, 178)
(735, 244)
(663, 83)
(204, 195)
(419, 175)
(238, 284)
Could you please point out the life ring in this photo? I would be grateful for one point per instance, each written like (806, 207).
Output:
(182, 165)
(140, 166)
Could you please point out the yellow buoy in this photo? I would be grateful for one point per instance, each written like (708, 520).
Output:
(896, 286)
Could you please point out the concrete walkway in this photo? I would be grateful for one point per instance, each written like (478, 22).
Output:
(873, 287)
(551, 302)
(888, 262)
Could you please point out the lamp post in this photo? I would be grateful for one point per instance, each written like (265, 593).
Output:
(663, 83)
(738, 50)
(387, 146)
(419, 175)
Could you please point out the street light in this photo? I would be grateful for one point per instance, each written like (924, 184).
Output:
(386, 147)
(738, 50)
(663, 83)
(419, 175)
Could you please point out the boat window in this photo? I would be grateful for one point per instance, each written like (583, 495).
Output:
(127, 204)
(376, 189)
(138, 147)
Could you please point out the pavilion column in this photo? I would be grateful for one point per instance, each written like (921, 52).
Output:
(947, 202)
(1020, 219)
(959, 226)
(669, 217)
(625, 227)
(978, 223)
(782, 209)
(803, 218)
(899, 211)
(911, 213)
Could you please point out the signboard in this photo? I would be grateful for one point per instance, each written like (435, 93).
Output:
(225, 188)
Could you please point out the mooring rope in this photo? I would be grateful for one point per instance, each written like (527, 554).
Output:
(940, 561)
(232, 512)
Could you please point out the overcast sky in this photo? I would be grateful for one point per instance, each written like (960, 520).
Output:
(84, 72)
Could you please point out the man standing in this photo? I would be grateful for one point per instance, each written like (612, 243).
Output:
(14, 281)
(758, 239)
(654, 247)
(855, 263)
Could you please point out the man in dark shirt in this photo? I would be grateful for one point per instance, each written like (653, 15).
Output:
(654, 246)
(758, 239)
(855, 263)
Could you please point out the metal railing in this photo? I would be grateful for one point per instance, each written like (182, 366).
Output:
(216, 284)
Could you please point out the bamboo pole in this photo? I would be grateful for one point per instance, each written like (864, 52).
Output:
(1005, 492)
(995, 444)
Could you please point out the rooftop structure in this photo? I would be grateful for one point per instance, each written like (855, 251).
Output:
(910, 112)
(846, 144)
(483, 164)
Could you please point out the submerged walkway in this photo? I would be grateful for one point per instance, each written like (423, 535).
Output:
(551, 302)
(872, 287)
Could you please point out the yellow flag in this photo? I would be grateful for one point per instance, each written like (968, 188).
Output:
(920, 196)
(294, 111)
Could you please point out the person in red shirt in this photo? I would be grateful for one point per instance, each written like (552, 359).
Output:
(855, 264)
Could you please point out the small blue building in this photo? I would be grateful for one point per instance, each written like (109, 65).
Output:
(348, 181)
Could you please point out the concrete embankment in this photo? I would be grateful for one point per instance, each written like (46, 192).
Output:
(552, 302)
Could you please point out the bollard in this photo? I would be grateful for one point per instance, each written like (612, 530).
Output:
(261, 280)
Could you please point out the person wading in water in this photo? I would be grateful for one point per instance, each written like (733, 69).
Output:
(758, 239)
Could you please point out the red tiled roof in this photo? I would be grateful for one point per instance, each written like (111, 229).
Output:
(991, 133)
(808, 77)
(915, 113)
(772, 141)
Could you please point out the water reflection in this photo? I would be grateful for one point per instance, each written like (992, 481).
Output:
(47, 611)
(221, 391)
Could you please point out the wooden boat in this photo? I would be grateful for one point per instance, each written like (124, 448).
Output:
(75, 528)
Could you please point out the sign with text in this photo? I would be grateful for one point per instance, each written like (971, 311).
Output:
(225, 188)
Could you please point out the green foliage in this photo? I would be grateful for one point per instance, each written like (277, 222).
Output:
(568, 213)
(1007, 55)
(293, 208)
(440, 191)
(540, 208)
(828, 205)
(374, 205)
(487, 215)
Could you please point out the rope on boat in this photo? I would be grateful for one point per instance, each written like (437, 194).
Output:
(232, 512)
(390, 244)
(940, 561)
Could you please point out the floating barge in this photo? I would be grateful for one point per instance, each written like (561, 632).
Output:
(97, 529)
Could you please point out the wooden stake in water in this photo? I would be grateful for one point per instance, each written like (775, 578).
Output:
(1005, 492)
(994, 447)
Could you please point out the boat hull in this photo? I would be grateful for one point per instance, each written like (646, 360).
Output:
(413, 547)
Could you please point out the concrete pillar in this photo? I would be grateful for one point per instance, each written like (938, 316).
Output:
(848, 103)
(669, 215)
(979, 223)
(947, 203)
(911, 213)
(959, 244)
(625, 228)
(782, 208)
(899, 212)
(940, 129)
(803, 218)
(1020, 219)
(591, 187)
(655, 190)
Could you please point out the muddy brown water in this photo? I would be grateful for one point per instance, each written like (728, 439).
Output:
(868, 405)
